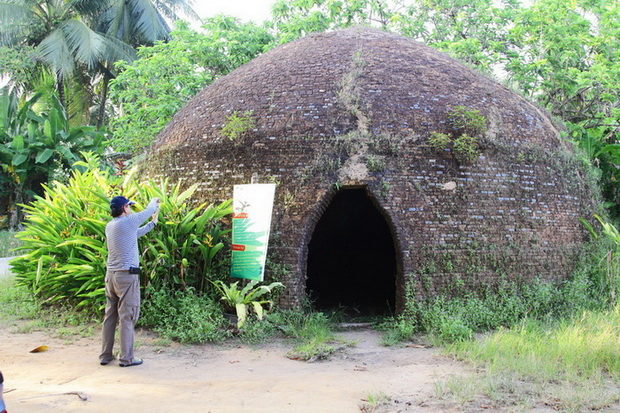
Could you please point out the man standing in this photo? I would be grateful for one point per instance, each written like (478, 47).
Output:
(122, 284)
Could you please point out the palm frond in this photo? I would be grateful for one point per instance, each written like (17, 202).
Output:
(15, 22)
(55, 52)
(86, 46)
(149, 25)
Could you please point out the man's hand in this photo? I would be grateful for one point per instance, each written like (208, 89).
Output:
(155, 217)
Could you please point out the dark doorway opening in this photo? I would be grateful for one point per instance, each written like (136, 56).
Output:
(351, 257)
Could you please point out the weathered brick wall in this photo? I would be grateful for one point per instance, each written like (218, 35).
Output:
(355, 109)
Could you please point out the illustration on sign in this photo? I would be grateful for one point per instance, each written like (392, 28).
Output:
(252, 207)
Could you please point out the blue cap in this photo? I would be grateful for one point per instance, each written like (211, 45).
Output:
(119, 202)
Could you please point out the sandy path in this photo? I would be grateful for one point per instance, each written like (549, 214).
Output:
(210, 378)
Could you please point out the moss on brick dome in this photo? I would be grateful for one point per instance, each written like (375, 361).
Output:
(353, 110)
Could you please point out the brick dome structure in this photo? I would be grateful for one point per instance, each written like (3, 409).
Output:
(349, 124)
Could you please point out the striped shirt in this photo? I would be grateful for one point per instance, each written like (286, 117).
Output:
(122, 234)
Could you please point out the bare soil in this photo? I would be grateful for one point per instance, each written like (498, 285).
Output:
(229, 377)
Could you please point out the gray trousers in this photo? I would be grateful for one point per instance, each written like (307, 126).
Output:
(122, 291)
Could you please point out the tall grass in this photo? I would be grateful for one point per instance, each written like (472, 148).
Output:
(8, 242)
(584, 347)
(571, 365)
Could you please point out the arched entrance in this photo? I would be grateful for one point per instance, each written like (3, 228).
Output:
(351, 257)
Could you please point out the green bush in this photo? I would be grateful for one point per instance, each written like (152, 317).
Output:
(467, 121)
(453, 330)
(185, 316)
(450, 319)
(439, 141)
(64, 238)
(468, 125)
(466, 148)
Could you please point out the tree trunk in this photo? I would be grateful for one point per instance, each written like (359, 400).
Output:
(61, 93)
(104, 98)
(15, 211)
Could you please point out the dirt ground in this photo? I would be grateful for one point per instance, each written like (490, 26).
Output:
(229, 377)
(216, 378)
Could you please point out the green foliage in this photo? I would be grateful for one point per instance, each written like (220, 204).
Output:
(64, 239)
(166, 75)
(577, 348)
(375, 163)
(439, 141)
(238, 125)
(37, 145)
(456, 318)
(297, 18)
(78, 42)
(239, 298)
(185, 316)
(467, 121)
(20, 64)
(181, 251)
(472, 31)
(467, 125)
(466, 149)
(608, 281)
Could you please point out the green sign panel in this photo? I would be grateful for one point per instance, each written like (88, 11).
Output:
(252, 207)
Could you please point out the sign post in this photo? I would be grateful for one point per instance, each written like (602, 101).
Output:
(252, 207)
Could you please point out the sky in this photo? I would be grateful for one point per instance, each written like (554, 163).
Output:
(246, 10)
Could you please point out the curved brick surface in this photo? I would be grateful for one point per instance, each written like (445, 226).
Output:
(355, 108)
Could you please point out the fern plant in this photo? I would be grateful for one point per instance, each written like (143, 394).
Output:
(239, 298)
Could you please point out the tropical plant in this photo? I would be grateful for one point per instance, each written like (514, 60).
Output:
(63, 243)
(137, 23)
(165, 76)
(608, 282)
(37, 146)
(62, 34)
(79, 40)
(239, 298)
(181, 253)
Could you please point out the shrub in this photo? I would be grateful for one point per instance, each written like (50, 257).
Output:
(466, 148)
(238, 299)
(467, 121)
(64, 237)
(439, 141)
(468, 125)
(185, 316)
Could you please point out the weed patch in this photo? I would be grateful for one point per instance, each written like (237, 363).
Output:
(185, 316)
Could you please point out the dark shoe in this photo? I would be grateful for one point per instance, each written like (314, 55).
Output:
(135, 362)
(105, 362)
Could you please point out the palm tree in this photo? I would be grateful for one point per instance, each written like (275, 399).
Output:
(137, 23)
(61, 33)
(77, 39)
